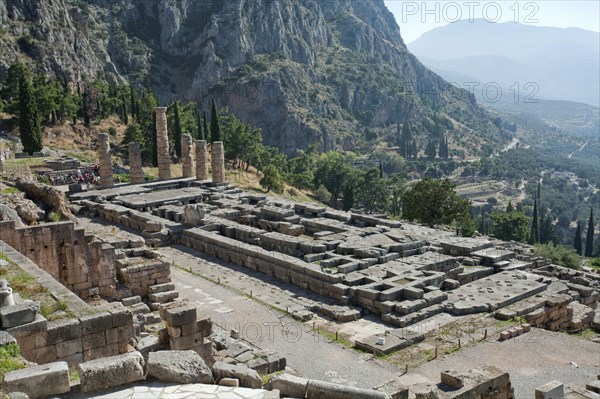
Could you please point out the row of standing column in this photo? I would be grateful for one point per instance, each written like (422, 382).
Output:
(164, 160)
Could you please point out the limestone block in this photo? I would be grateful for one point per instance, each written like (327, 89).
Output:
(248, 377)
(39, 381)
(452, 379)
(112, 371)
(95, 323)
(17, 315)
(550, 390)
(182, 367)
(178, 316)
(289, 385)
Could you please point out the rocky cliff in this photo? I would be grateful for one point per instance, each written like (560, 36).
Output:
(305, 71)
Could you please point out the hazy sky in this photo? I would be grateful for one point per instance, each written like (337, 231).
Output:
(418, 17)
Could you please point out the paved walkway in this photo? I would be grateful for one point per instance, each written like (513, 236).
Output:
(170, 391)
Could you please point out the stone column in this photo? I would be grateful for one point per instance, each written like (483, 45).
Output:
(187, 149)
(162, 144)
(105, 161)
(135, 163)
(201, 160)
(218, 162)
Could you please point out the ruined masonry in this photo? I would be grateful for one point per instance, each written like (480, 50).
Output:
(218, 162)
(162, 142)
(105, 161)
(135, 163)
(201, 160)
(187, 150)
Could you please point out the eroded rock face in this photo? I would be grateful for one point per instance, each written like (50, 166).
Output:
(52, 198)
(304, 71)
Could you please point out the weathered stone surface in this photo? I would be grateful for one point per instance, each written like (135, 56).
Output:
(39, 381)
(201, 160)
(248, 377)
(550, 390)
(187, 155)
(111, 371)
(218, 162)
(105, 161)
(179, 316)
(182, 367)
(17, 315)
(135, 163)
(162, 143)
(289, 385)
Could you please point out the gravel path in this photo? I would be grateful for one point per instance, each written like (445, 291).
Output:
(311, 354)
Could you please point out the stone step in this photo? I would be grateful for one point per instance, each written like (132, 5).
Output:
(155, 289)
(132, 300)
(163, 297)
(139, 308)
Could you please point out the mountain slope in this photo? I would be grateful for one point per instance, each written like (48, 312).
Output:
(563, 63)
(301, 70)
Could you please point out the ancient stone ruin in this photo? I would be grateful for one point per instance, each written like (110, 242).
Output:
(350, 265)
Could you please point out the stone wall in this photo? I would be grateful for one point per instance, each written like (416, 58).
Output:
(63, 252)
(89, 337)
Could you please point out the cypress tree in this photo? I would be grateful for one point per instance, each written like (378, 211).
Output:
(414, 150)
(534, 237)
(205, 125)
(348, 200)
(589, 238)
(132, 103)
(509, 207)
(199, 132)
(215, 130)
(85, 107)
(29, 119)
(577, 241)
(539, 191)
(124, 115)
(407, 142)
(177, 129)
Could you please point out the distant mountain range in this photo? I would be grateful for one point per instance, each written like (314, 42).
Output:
(563, 64)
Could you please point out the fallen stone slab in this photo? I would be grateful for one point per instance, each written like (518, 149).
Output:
(323, 389)
(289, 385)
(182, 367)
(248, 377)
(111, 371)
(39, 381)
(17, 315)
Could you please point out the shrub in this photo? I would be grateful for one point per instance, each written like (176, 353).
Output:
(559, 254)
(322, 194)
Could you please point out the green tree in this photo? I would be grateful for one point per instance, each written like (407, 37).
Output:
(434, 202)
(29, 119)
(333, 170)
(509, 207)
(321, 194)
(133, 134)
(534, 236)
(577, 242)
(272, 180)
(372, 192)
(510, 226)
(10, 87)
(215, 130)
(431, 150)
(348, 197)
(589, 237)
(205, 125)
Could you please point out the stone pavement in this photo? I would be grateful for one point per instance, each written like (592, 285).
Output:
(170, 391)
